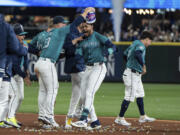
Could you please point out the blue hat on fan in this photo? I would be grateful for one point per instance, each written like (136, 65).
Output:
(91, 18)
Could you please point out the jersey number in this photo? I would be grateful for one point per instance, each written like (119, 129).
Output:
(47, 41)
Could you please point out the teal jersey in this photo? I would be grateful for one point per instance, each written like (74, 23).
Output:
(38, 41)
(132, 62)
(52, 45)
(92, 48)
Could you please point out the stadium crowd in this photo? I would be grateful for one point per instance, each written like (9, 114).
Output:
(165, 30)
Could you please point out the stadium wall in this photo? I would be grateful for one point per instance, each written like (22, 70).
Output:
(162, 61)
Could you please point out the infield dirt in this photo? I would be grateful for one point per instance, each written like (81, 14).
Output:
(32, 127)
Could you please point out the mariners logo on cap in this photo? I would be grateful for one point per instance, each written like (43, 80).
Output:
(91, 17)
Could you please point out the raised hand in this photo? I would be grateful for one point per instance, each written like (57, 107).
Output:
(27, 81)
(76, 40)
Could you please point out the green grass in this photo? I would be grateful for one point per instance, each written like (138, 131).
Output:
(161, 100)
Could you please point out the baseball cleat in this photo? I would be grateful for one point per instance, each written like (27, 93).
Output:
(13, 122)
(52, 122)
(68, 127)
(68, 123)
(45, 120)
(89, 120)
(145, 118)
(122, 121)
(94, 125)
(80, 124)
(42, 119)
(19, 123)
(47, 126)
(4, 125)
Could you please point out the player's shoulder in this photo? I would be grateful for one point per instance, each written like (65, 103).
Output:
(136, 42)
(97, 33)
(99, 36)
(65, 28)
(139, 45)
(44, 32)
(62, 30)
(4, 24)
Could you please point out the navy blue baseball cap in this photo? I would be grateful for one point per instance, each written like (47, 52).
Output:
(91, 18)
(59, 19)
(19, 30)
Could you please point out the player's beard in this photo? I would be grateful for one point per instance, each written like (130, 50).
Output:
(87, 33)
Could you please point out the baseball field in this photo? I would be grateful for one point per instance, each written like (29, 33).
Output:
(161, 102)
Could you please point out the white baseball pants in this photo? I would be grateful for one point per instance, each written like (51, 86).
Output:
(76, 79)
(92, 79)
(48, 87)
(2, 72)
(133, 85)
(4, 91)
(16, 94)
(0, 81)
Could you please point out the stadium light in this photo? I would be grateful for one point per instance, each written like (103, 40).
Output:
(130, 12)
(147, 11)
(151, 12)
(140, 11)
(110, 11)
(173, 9)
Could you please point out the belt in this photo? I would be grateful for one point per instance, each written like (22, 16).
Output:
(134, 71)
(47, 59)
(94, 64)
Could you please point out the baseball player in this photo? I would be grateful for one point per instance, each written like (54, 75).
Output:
(92, 49)
(36, 46)
(74, 65)
(135, 68)
(9, 45)
(20, 74)
(46, 69)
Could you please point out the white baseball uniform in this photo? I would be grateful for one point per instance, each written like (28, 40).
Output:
(16, 93)
(92, 48)
(48, 86)
(92, 79)
(76, 79)
(133, 85)
(0, 82)
(4, 91)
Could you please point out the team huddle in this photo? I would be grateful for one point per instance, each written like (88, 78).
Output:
(84, 50)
